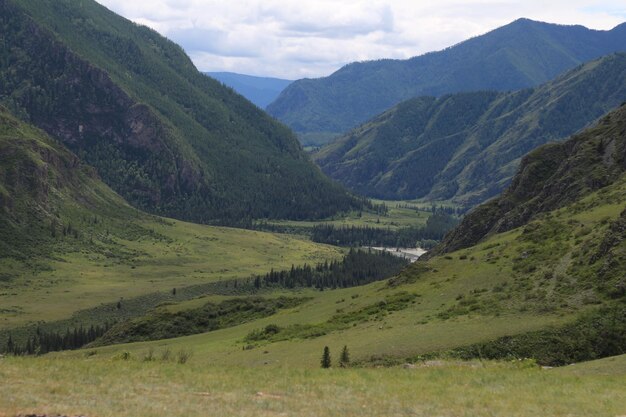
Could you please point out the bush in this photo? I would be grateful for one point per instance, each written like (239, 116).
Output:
(182, 356)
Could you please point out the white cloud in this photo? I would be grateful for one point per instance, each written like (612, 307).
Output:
(311, 38)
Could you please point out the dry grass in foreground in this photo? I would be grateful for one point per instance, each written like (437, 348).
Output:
(103, 387)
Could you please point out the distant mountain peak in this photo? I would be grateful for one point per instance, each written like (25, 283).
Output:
(465, 147)
(524, 53)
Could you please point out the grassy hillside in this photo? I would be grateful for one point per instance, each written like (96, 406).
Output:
(524, 280)
(164, 136)
(563, 262)
(522, 54)
(474, 295)
(422, 148)
(543, 272)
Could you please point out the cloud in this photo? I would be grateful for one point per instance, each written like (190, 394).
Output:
(312, 38)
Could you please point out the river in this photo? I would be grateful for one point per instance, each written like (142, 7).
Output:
(412, 254)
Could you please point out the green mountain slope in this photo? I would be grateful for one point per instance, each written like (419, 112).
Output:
(43, 188)
(466, 147)
(167, 138)
(522, 54)
(546, 275)
(549, 178)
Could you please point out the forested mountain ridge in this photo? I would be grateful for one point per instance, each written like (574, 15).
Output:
(467, 146)
(167, 138)
(551, 177)
(259, 90)
(522, 54)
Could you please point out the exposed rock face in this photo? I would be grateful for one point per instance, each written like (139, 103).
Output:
(80, 105)
(549, 178)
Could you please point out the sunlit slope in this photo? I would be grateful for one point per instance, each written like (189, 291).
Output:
(512, 283)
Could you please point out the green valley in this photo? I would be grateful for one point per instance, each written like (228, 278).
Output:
(167, 248)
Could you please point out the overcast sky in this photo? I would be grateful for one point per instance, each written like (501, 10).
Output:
(305, 38)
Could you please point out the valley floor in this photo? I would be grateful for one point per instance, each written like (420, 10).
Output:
(104, 387)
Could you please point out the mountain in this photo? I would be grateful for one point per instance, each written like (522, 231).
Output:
(164, 136)
(259, 90)
(551, 177)
(467, 146)
(522, 54)
(43, 188)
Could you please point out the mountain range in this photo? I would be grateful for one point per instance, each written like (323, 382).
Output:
(259, 90)
(167, 138)
(101, 119)
(522, 54)
(467, 146)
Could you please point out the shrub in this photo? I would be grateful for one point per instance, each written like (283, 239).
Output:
(182, 356)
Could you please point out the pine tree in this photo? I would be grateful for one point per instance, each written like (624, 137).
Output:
(326, 361)
(10, 346)
(344, 359)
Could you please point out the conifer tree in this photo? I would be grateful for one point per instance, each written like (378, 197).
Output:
(10, 347)
(326, 361)
(344, 359)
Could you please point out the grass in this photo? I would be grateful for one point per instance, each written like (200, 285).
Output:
(505, 299)
(471, 296)
(191, 254)
(614, 365)
(103, 387)
(397, 217)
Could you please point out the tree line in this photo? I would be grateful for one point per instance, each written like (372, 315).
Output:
(54, 341)
(434, 230)
(358, 267)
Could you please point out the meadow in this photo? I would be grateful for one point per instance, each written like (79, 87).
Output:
(399, 214)
(524, 280)
(179, 254)
(105, 387)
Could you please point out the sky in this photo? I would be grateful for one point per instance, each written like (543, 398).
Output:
(296, 39)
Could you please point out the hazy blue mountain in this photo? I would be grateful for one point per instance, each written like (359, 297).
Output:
(259, 90)
(522, 54)
(467, 146)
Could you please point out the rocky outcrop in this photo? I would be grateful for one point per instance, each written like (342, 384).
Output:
(549, 178)
(79, 104)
